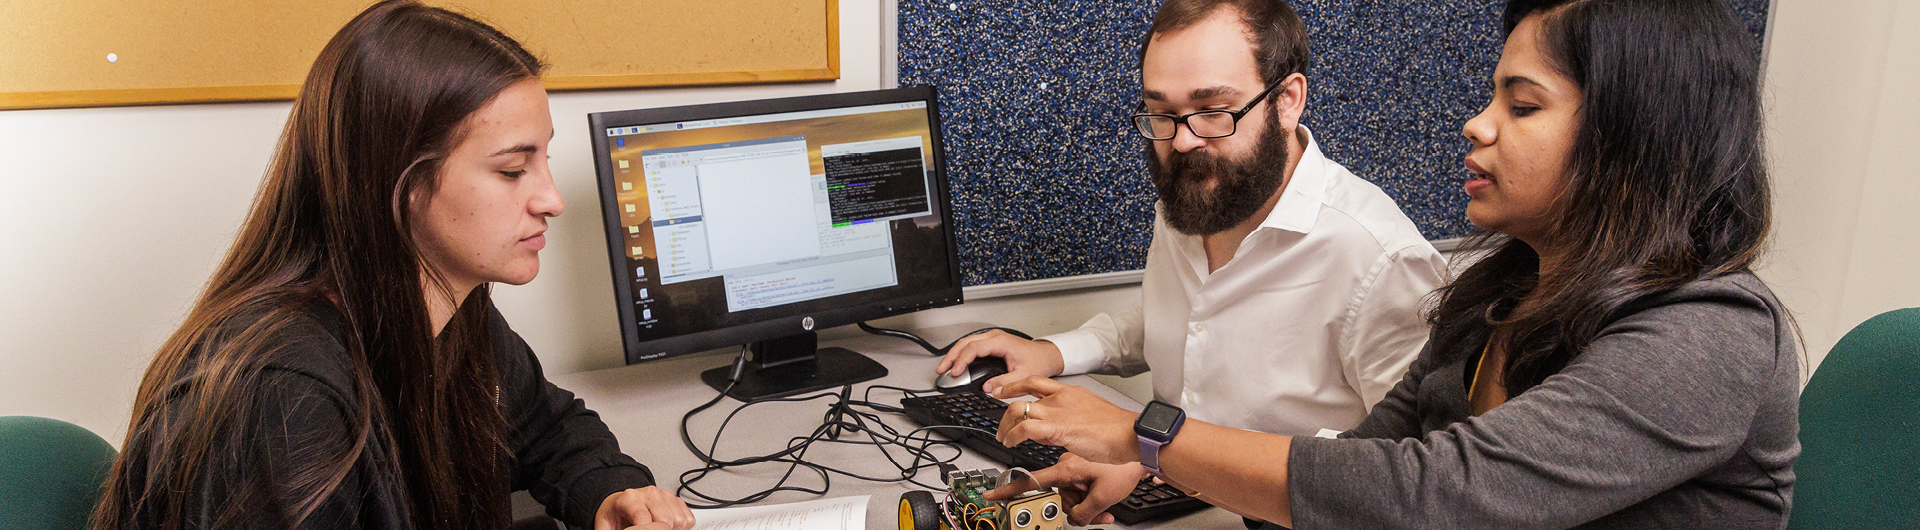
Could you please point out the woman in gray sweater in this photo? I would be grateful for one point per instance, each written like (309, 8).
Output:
(1608, 361)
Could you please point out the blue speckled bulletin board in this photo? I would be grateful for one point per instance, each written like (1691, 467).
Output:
(1048, 180)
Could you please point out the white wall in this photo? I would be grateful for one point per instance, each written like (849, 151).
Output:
(117, 216)
(1844, 80)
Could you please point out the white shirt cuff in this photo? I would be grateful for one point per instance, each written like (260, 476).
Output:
(1080, 350)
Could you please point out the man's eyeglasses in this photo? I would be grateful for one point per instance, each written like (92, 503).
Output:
(1204, 124)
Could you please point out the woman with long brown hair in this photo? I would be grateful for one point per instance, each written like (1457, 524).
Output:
(1609, 360)
(345, 367)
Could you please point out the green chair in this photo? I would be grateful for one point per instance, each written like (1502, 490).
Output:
(51, 472)
(1859, 463)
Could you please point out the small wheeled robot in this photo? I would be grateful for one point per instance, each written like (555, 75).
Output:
(967, 508)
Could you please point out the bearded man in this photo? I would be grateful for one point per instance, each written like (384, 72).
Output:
(1282, 293)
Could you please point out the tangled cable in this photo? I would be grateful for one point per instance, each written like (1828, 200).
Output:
(842, 418)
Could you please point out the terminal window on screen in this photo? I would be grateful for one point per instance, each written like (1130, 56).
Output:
(754, 214)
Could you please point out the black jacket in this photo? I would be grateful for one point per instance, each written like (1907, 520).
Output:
(562, 452)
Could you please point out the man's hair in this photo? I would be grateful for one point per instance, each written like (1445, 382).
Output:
(1278, 37)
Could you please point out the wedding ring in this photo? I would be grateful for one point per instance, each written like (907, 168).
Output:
(1028, 405)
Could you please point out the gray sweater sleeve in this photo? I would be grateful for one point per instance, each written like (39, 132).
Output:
(1661, 396)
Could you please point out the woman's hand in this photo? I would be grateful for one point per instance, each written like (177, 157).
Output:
(647, 508)
(1087, 489)
(1025, 358)
(1071, 417)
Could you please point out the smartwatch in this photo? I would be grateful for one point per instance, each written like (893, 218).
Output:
(1156, 428)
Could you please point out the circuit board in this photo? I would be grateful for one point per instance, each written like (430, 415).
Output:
(967, 507)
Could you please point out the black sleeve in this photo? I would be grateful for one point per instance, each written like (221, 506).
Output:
(286, 444)
(563, 454)
(304, 428)
(283, 446)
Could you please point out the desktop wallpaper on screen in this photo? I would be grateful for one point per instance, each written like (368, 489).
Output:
(735, 220)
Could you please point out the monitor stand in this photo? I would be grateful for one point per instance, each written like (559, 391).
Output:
(793, 365)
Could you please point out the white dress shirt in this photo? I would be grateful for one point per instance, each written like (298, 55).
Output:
(1313, 321)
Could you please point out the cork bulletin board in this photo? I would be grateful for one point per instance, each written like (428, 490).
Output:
(1049, 180)
(83, 53)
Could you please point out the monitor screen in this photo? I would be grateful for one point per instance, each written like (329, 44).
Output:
(739, 222)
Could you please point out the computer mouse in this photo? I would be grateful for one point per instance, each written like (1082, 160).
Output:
(978, 372)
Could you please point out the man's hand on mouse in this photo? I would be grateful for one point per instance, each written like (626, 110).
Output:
(1025, 358)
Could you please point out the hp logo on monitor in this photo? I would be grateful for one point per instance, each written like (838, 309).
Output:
(806, 323)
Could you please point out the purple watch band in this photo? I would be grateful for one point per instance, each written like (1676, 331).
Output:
(1150, 454)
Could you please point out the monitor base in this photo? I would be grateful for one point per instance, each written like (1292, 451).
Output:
(832, 367)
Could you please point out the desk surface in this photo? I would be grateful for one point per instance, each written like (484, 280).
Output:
(643, 404)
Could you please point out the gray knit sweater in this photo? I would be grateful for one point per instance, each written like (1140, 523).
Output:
(1682, 414)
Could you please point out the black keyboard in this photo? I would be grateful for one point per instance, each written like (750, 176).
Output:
(1148, 501)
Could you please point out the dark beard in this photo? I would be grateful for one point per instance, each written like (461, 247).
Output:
(1242, 189)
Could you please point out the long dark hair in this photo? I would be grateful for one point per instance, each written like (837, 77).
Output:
(382, 106)
(1667, 182)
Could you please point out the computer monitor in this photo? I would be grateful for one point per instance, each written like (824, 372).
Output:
(760, 222)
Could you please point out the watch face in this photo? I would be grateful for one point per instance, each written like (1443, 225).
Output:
(1159, 417)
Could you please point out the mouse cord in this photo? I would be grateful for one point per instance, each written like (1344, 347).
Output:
(938, 351)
